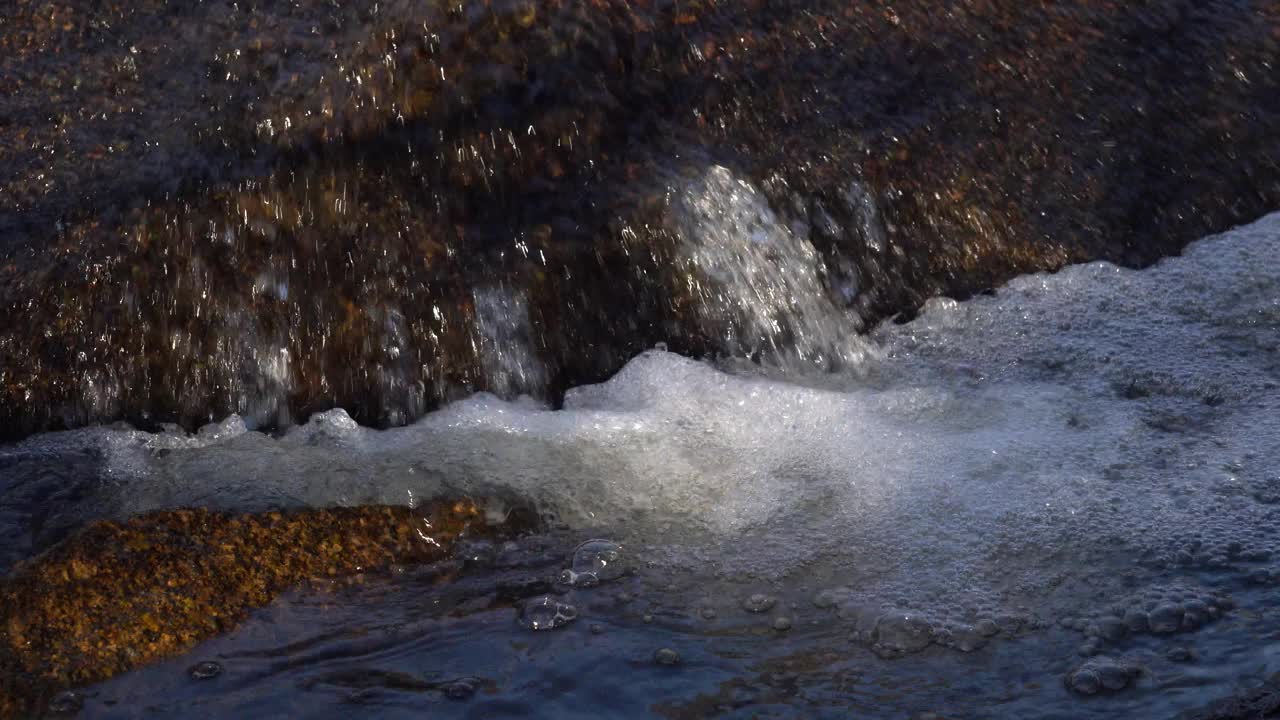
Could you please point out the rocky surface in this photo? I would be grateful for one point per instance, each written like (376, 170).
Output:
(218, 207)
(114, 596)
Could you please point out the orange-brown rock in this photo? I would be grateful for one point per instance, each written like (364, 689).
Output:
(115, 596)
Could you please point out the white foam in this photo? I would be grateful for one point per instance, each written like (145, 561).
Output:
(1001, 444)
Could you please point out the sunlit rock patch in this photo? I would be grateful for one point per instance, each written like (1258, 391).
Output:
(117, 595)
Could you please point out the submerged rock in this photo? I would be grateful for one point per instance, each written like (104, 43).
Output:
(114, 596)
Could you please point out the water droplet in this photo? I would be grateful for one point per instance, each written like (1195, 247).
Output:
(547, 613)
(594, 562)
(205, 670)
(782, 623)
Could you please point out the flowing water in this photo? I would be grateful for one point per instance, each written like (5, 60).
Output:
(1060, 500)
(675, 275)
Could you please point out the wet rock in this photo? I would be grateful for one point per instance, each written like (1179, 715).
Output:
(114, 596)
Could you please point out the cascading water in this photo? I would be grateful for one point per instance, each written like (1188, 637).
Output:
(1081, 466)
(759, 283)
(699, 283)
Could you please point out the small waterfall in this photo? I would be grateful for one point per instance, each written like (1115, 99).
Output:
(504, 342)
(758, 282)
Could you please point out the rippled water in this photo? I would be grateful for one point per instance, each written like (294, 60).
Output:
(1082, 465)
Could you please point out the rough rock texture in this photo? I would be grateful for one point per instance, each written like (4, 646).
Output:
(117, 595)
(219, 207)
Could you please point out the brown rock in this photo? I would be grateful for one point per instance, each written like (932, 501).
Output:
(115, 596)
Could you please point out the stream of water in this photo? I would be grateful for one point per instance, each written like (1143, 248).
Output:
(1060, 500)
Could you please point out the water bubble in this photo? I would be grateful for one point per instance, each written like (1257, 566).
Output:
(827, 599)
(205, 670)
(1085, 681)
(759, 603)
(666, 656)
(968, 639)
(1196, 613)
(1136, 620)
(1166, 618)
(547, 613)
(66, 703)
(462, 688)
(782, 623)
(900, 634)
(594, 562)
(1109, 628)
(1101, 673)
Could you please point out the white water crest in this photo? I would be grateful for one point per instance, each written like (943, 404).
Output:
(1095, 420)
